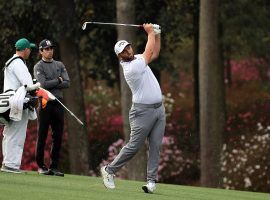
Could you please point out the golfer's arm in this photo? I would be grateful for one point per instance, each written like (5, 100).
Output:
(149, 48)
(156, 48)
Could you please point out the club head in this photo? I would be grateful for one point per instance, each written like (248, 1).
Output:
(84, 26)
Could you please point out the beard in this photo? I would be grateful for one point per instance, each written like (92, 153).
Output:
(128, 58)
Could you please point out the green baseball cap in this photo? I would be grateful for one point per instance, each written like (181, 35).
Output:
(23, 43)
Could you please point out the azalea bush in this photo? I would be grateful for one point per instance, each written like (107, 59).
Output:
(113, 151)
(246, 163)
(104, 122)
(28, 159)
(175, 166)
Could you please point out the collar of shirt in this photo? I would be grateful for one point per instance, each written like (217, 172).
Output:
(47, 61)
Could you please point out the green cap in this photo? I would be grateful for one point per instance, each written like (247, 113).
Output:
(23, 43)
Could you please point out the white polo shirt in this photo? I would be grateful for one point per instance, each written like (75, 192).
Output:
(16, 75)
(141, 80)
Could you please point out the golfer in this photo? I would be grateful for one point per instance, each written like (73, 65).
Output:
(147, 114)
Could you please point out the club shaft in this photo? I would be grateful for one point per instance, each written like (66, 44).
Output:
(114, 24)
(70, 112)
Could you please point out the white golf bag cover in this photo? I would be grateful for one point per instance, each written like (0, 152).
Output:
(5, 106)
(29, 102)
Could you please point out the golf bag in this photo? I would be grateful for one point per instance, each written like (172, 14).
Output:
(30, 102)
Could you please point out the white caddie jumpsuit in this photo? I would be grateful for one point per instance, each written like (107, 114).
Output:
(15, 76)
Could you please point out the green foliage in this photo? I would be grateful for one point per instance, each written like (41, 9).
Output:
(175, 18)
(97, 55)
(23, 19)
(246, 29)
(34, 20)
(96, 45)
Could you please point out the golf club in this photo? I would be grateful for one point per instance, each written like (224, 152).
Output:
(78, 120)
(50, 96)
(114, 24)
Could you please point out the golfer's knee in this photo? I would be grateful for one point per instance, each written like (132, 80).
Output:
(132, 148)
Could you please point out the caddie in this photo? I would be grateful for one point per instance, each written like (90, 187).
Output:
(16, 74)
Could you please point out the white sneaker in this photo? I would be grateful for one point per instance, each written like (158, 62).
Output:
(107, 178)
(10, 170)
(149, 187)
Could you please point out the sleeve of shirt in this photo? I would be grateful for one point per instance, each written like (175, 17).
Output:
(40, 75)
(22, 73)
(138, 66)
(66, 82)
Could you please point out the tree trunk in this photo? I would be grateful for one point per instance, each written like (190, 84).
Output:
(77, 134)
(126, 14)
(212, 100)
(196, 70)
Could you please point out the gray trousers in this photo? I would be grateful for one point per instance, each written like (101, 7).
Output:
(147, 121)
(13, 141)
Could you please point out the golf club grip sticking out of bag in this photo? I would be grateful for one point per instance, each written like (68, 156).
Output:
(114, 24)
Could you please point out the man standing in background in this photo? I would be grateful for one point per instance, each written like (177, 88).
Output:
(53, 77)
(16, 74)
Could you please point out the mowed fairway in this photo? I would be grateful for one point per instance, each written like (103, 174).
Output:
(32, 186)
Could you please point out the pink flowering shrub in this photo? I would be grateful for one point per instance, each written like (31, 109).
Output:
(28, 159)
(247, 105)
(113, 151)
(104, 123)
(175, 166)
(249, 69)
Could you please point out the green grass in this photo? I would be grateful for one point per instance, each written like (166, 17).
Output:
(31, 186)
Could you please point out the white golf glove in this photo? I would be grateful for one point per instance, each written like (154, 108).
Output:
(157, 29)
(32, 87)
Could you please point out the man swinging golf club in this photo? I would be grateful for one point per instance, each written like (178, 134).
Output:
(147, 114)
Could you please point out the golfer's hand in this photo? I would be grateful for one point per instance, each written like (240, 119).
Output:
(32, 87)
(60, 79)
(157, 29)
(148, 28)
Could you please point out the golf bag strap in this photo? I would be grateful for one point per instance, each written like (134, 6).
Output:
(7, 64)
(8, 90)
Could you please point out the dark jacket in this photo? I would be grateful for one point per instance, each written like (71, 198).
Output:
(48, 73)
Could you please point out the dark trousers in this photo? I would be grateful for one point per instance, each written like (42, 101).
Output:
(52, 115)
